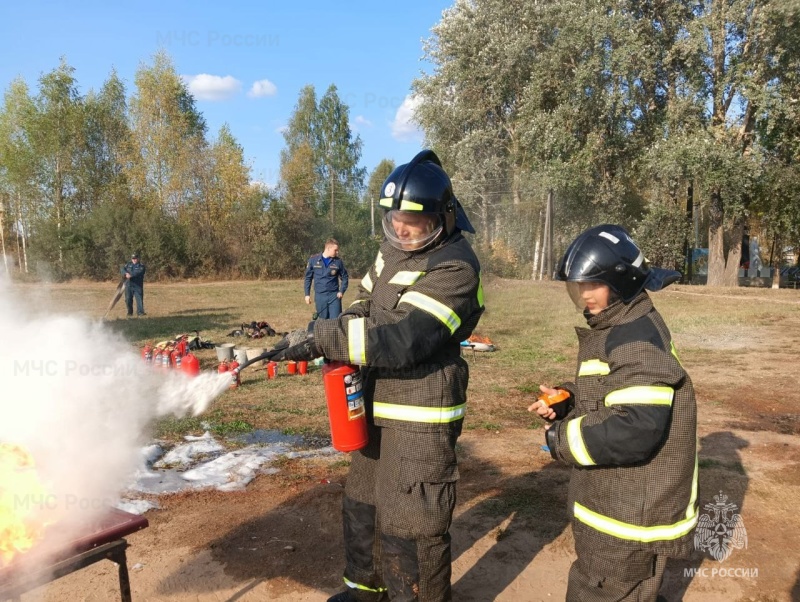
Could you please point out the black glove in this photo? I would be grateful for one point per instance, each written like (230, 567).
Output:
(551, 439)
(297, 346)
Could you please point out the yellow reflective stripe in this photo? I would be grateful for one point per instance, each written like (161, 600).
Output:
(379, 264)
(406, 278)
(353, 585)
(593, 368)
(410, 206)
(654, 396)
(357, 341)
(366, 282)
(576, 445)
(395, 411)
(480, 289)
(386, 202)
(674, 352)
(630, 532)
(438, 310)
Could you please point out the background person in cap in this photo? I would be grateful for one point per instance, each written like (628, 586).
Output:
(133, 271)
(330, 279)
(419, 300)
(628, 428)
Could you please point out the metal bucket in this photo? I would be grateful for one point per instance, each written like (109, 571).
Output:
(240, 354)
(255, 352)
(225, 351)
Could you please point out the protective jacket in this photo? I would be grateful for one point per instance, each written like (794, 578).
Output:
(631, 436)
(406, 324)
(412, 311)
(326, 278)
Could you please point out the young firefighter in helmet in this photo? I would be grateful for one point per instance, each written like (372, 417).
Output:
(419, 300)
(628, 428)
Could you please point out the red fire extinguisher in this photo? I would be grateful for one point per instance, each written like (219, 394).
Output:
(175, 357)
(345, 398)
(147, 353)
(190, 365)
(233, 367)
(223, 367)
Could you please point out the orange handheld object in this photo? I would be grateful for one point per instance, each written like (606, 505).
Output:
(557, 397)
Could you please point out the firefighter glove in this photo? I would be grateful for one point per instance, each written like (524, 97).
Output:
(297, 346)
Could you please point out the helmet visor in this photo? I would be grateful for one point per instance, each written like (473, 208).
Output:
(411, 230)
(574, 290)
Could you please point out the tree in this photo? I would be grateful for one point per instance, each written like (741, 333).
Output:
(18, 168)
(338, 152)
(56, 138)
(324, 128)
(167, 134)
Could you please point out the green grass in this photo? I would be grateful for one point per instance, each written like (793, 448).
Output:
(531, 324)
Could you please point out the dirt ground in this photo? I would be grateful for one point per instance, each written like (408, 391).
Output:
(280, 539)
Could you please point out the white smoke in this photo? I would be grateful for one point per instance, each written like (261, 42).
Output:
(81, 401)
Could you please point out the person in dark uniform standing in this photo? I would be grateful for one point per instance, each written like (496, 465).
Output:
(419, 300)
(133, 271)
(628, 427)
(330, 279)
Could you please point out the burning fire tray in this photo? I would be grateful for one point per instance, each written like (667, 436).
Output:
(104, 541)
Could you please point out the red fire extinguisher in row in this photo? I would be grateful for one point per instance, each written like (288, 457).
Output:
(344, 395)
(231, 367)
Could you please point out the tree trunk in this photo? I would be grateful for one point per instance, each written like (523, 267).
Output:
(537, 247)
(776, 259)
(547, 246)
(24, 258)
(332, 198)
(716, 240)
(731, 276)
(687, 245)
(3, 236)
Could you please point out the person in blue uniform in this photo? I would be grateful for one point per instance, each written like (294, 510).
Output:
(329, 275)
(133, 271)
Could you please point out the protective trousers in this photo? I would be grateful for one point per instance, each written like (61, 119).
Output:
(397, 510)
(615, 575)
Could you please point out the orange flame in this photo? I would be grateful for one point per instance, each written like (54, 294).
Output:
(476, 338)
(22, 500)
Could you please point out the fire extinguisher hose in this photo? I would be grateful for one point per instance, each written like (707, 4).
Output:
(267, 355)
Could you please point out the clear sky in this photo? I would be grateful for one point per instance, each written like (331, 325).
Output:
(245, 62)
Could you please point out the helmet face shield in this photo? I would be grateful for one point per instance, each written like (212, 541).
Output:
(574, 290)
(411, 230)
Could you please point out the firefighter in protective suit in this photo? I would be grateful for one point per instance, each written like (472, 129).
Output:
(628, 428)
(419, 300)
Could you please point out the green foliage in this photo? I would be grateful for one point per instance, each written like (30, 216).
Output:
(619, 111)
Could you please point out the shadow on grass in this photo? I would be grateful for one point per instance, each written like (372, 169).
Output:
(167, 327)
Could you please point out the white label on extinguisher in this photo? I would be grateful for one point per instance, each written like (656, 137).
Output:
(355, 396)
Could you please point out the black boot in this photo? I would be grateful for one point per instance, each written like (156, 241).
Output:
(357, 595)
